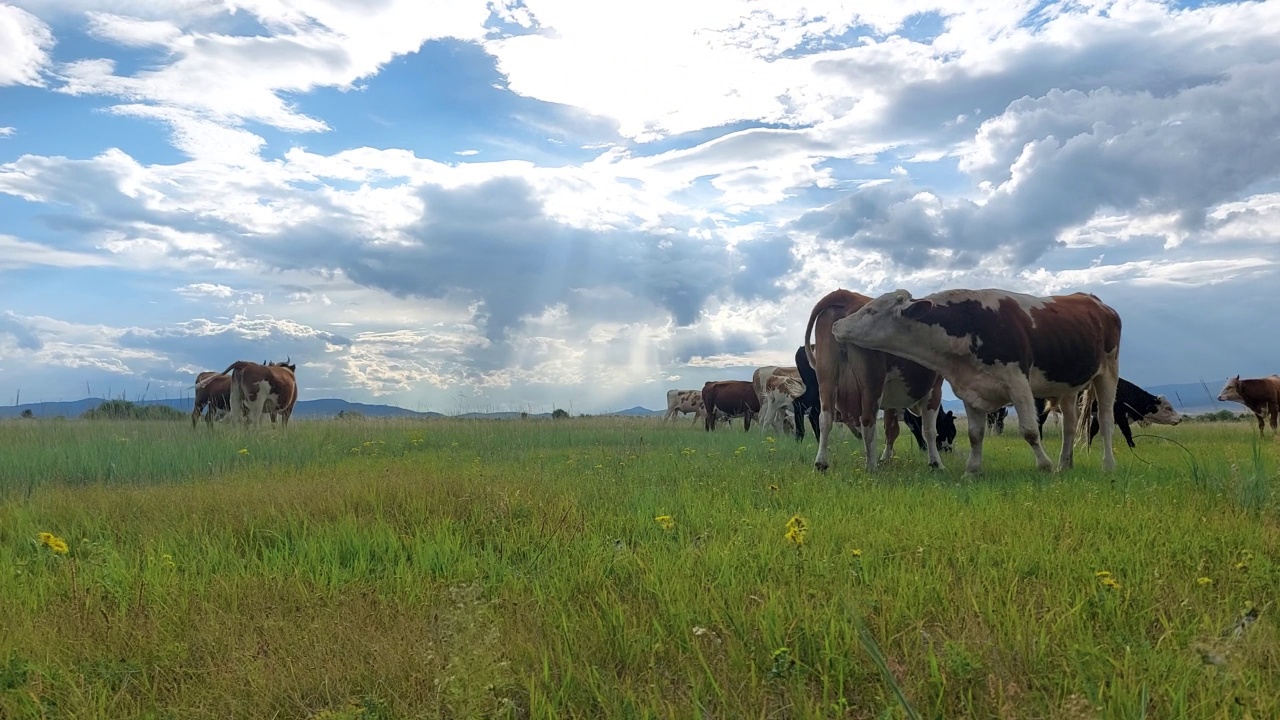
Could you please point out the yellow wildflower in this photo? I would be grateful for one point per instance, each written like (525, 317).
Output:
(666, 521)
(1204, 581)
(856, 552)
(774, 488)
(1102, 573)
(1110, 582)
(243, 451)
(797, 529)
(54, 543)
(769, 439)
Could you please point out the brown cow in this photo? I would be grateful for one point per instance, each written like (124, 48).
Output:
(997, 347)
(856, 383)
(735, 398)
(1261, 395)
(212, 398)
(258, 390)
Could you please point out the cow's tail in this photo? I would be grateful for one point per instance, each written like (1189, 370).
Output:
(1084, 414)
(230, 368)
(822, 306)
(237, 399)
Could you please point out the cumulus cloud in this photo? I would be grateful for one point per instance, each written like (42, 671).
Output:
(26, 338)
(25, 43)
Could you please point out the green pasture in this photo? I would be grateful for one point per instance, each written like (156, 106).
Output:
(623, 568)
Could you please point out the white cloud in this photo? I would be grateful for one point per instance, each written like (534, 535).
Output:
(25, 43)
(6, 131)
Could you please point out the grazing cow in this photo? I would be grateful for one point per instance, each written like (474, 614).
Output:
(995, 420)
(213, 398)
(735, 398)
(776, 410)
(997, 347)
(858, 382)
(1133, 404)
(680, 402)
(1260, 395)
(946, 429)
(258, 390)
(810, 403)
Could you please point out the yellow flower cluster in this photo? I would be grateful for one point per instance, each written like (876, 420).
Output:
(797, 529)
(666, 521)
(1104, 577)
(56, 544)
(1204, 581)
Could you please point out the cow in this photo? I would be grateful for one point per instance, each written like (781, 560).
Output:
(212, 399)
(735, 398)
(997, 347)
(995, 420)
(776, 410)
(946, 429)
(762, 374)
(1133, 404)
(680, 402)
(857, 382)
(258, 390)
(810, 403)
(1260, 395)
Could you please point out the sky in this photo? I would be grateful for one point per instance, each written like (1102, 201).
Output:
(459, 205)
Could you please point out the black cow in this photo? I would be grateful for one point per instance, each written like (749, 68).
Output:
(809, 403)
(1133, 404)
(946, 429)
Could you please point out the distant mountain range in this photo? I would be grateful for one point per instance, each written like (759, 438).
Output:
(1187, 398)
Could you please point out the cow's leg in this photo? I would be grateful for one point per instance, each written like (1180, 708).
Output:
(891, 432)
(976, 432)
(929, 428)
(1025, 406)
(813, 419)
(826, 421)
(1070, 406)
(1104, 388)
(1123, 424)
(798, 411)
(866, 420)
(746, 420)
(1275, 413)
(195, 415)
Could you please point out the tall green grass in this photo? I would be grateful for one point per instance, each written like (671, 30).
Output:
(516, 569)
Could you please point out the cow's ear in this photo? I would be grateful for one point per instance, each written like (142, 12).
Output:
(950, 414)
(917, 309)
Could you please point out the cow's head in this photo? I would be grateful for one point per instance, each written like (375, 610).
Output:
(1164, 414)
(880, 322)
(1231, 391)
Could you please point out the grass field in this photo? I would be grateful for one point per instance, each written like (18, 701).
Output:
(619, 568)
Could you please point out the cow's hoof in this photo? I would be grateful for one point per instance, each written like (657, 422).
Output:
(936, 466)
(820, 466)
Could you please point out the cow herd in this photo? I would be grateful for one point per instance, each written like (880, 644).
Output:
(996, 349)
(246, 392)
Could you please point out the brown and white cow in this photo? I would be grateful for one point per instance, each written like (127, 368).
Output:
(258, 390)
(857, 382)
(997, 348)
(1260, 395)
(680, 402)
(777, 406)
(212, 398)
(735, 398)
(760, 378)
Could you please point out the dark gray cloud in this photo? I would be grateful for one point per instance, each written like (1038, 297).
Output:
(495, 243)
(1060, 159)
(25, 336)
(212, 345)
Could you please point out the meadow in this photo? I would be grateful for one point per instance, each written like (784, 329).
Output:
(623, 568)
